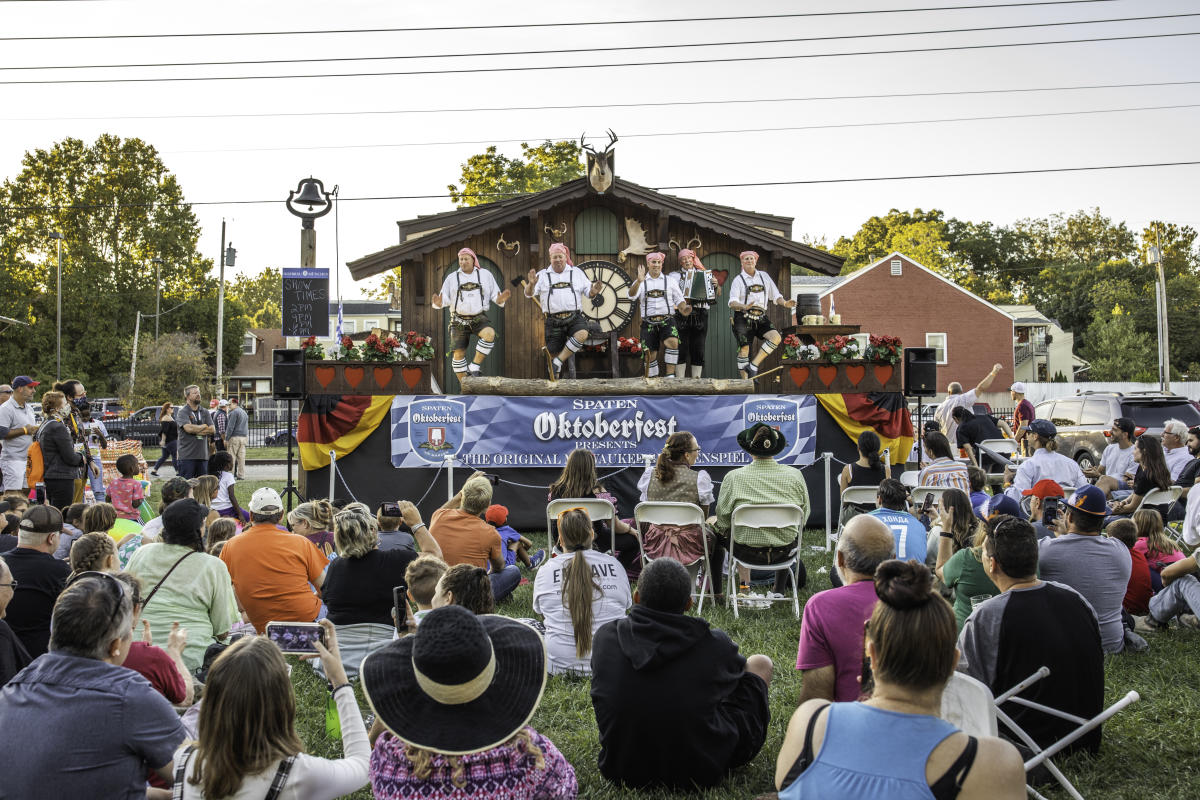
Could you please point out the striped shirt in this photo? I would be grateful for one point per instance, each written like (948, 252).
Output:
(945, 472)
(763, 480)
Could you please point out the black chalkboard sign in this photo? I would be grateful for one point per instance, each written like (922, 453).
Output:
(306, 302)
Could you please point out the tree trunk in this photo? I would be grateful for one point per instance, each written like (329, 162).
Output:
(535, 387)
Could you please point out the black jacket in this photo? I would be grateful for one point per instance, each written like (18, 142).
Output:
(660, 682)
(58, 451)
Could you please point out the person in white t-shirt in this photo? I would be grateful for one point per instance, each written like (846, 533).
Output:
(750, 294)
(660, 297)
(226, 503)
(468, 292)
(1116, 462)
(957, 397)
(577, 592)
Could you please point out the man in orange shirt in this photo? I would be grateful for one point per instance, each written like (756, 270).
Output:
(465, 538)
(272, 569)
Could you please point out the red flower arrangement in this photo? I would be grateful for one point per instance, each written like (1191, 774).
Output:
(312, 349)
(839, 348)
(795, 350)
(884, 349)
(629, 346)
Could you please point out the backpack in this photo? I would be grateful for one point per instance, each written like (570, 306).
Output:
(35, 464)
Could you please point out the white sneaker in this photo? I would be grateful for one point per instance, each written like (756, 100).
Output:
(1189, 621)
(776, 596)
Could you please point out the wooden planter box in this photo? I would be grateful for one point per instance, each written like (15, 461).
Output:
(845, 377)
(367, 377)
(599, 365)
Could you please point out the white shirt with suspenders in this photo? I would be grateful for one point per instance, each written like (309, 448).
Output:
(756, 291)
(560, 292)
(469, 295)
(659, 296)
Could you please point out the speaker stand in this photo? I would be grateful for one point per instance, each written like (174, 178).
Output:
(920, 438)
(290, 490)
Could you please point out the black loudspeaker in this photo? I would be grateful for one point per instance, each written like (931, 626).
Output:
(920, 372)
(287, 374)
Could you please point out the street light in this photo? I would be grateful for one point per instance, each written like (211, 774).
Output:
(58, 325)
(157, 293)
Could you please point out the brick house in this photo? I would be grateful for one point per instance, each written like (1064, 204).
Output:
(897, 296)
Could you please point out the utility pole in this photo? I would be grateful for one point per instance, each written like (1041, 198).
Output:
(137, 329)
(157, 294)
(221, 314)
(58, 237)
(1164, 348)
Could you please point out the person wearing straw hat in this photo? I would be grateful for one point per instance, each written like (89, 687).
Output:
(750, 293)
(455, 700)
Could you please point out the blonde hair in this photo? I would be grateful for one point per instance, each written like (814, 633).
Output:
(354, 532)
(90, 551)
(579, 585)
(476, 495)
(220, 531)
(422, 760)
(1149, 525)
(317, 513)
(206, 489)
(422, 576)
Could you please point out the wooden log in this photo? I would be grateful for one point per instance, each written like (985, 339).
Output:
(533, 387)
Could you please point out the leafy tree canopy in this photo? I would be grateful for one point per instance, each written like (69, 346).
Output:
(490, 176)
(261, 295)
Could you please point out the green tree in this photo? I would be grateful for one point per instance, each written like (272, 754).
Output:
(918, 234)
(261, 295)
(489, 176)
(1117, 351)
(117, 207)
(164, 367)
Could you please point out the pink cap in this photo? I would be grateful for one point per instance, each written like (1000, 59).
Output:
(471, 253)
(695, 258)
(745, 253)
(656, 256)
(559, 247)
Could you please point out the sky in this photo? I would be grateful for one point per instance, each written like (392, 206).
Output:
(372, 136)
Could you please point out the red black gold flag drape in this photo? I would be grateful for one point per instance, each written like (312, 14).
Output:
(886, 413)
(338, 423)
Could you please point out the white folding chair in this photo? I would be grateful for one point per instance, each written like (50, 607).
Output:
(766, 515)
(663, 512)
(967, 704)
(1162, 497)
(909, 478)
(1041, 755)
(853, 495)
(598, 509)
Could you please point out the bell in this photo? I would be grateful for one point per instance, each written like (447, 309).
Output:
(310, 194)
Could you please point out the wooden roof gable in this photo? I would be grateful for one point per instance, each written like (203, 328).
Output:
(454, 226)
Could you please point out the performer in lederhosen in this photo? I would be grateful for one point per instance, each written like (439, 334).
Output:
(469, 291)
(661, 298)
(749, 294)
(700, 288)
(561, 289)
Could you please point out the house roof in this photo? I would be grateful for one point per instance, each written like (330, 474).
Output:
(357, 307)
(452, 226)
(1028, 315)
(848, 279)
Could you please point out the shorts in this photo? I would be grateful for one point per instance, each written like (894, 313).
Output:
(656, 329)
(747, 328)
(747, 708)
(461, 328)
(560, 327)
(13, 474)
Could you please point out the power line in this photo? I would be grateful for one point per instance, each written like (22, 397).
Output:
(804, 182)
(530, 68)
(535, 25)
(660, 104)
(661, 134)
(615, 48)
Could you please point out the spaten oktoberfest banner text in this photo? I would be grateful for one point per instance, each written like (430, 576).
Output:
(484, 431)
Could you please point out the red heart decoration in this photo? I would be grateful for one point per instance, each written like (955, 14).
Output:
(883, 373)
(721, 275)
(383, 375)
(411, 376)
(353, 376)
(855, 372)
(325, 376)
(799, 375)
(827, 374)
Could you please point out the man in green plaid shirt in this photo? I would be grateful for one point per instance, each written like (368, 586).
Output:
(764, 480)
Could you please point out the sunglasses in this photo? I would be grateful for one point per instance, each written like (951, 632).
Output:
(115, 590)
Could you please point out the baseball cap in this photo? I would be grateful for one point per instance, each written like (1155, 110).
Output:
(265, 500)
(1017, 387)
(24, 380)
(1089, 500)
(41, 519)
(1044, 428)
(1003, 504)
(496, 514)
(1045, 488)
(5, 388)
(223, 403)
(1120, 423)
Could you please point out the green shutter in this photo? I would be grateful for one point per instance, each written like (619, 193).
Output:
(720, 350)
(596, 232)
(495, 361)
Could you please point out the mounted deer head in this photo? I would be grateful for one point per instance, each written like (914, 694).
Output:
(600, 165)
(557, 233)
(508, 249)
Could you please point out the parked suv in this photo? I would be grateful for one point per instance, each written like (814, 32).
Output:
(1084, 420)
(142, 425)
(107, 409)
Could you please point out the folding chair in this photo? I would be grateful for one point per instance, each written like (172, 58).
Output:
(1162, 497)
(909, 478)
(1041, 755)
(967, 704)
(766, 515)
(853, 495)
(668, 513)
(598, 510)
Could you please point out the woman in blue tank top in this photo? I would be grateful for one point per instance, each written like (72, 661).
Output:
(894, 746)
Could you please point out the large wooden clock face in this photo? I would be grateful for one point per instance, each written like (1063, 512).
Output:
(613, 307)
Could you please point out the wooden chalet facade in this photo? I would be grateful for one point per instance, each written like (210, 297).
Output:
(615, 226)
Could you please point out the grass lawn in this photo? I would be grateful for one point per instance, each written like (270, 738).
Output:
(151, 454)
(1150, 750)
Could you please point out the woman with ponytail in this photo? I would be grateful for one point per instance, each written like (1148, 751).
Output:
(910, 646)
(93, 552)
(870, 469)
(673, 478)
(314, 521)
(576, 593)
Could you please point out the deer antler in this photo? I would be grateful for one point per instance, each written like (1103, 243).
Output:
(555, 232)
(508, 248)
(586, 147)
(694, 243)
(612, 139)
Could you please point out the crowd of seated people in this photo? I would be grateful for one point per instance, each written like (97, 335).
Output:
(454, 684)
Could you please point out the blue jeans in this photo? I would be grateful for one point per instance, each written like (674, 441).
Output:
(192, 467)
(97, 480)
(169, 450)
(505, 581)
(1181, 596)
